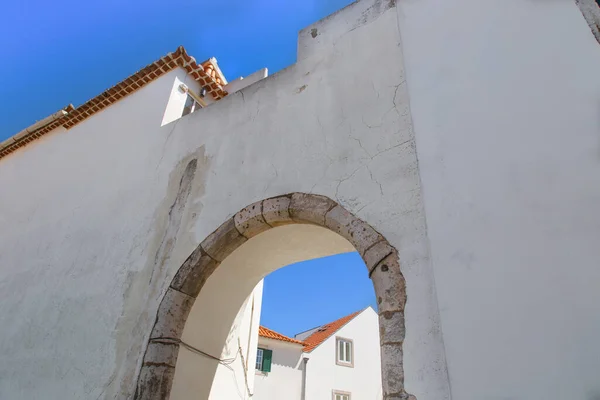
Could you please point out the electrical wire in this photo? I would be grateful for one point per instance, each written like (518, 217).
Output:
(226, 362)
(193, 349)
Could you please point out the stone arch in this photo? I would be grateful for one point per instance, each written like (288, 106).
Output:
(157, 371)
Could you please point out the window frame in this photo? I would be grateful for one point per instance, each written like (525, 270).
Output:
(341, 393)
(269, 353)
(195, 105)
(258, 367)
(343, 363)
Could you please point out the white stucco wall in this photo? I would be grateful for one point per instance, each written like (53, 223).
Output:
(89, 209)
(78, 222)
(235, 379)
(363, 380)
(506, 124)
(285, 378)
(242, 82)
(505, 102)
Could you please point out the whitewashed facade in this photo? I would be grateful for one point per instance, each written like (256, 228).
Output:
(345, 365)
(465, 132)
(283, 378)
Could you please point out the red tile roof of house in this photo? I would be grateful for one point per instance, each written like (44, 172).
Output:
(270, 334)
(206, 73)
(326, 331)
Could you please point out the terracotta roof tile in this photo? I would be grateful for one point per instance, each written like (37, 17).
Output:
(326, 331)
(270, 334)
(215, 83)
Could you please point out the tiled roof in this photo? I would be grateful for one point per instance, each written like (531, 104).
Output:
(325, 331)
(269, 334)
(207, 74)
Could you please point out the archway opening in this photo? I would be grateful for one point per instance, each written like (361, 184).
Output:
(223, 310)
(209, 300)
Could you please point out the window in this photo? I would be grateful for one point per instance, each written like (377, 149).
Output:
(341, 396)
(344, 351)
(190, 106)
(263, 360)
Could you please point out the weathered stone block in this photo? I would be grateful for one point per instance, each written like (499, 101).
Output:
(376, 253)
(357, 232)
(194, 272)
(223, 241)
(391, 327)
(155, 382)
(310, 208)
(250, 221)
(389, 284)
(276, 211)
(162, 353)
(172, 314)
(392, 370)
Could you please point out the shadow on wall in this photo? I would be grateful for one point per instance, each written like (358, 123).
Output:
(288, 358)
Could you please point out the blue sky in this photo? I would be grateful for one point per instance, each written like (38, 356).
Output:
(56, 53)
(308, 294)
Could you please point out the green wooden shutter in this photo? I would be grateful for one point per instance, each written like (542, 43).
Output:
(267, 356)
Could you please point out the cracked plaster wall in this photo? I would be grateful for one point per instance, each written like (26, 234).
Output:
(101, 219)
(96, 220)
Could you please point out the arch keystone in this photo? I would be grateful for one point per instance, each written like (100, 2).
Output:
(276, 211)
(310, 208)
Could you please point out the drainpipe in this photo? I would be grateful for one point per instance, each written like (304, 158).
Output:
(303, 392)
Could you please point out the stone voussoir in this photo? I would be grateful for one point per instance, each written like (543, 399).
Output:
(392, 370)
(161, 353)
(389, 284)
(391, 327)
(250, 221)
(276, 210)
(356, 231)
(223, 241)
(376, 253)
(172, 314)
(310, 208)
(194, 272)
(154, 382)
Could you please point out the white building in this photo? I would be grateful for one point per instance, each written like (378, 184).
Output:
(336, 361)
(453, 143)
(279, 368)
